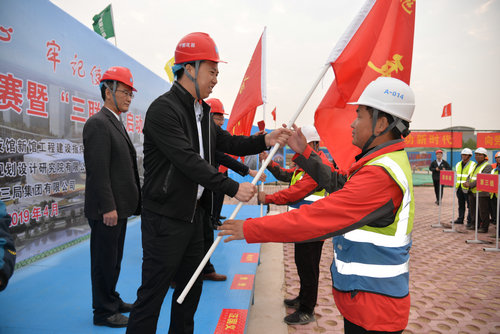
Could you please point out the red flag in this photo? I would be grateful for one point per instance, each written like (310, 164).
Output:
(274, 114)
(446, 110)
(249, 96)
(379, 42)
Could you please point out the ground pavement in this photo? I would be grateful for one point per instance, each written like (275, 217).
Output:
(454, 286)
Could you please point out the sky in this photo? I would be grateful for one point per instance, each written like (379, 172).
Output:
(456, 54)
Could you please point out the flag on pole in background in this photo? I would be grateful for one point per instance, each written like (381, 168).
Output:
(379, 42)
(446, 110)
(103, 23)
(274, 114)
(168, 69)
(249, 95)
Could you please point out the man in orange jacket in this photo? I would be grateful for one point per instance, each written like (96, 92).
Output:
(370, 218)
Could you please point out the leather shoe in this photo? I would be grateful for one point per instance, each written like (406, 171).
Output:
(125, 308)
(116, 320)
(459, 221)
(470, 227)
(482, 230)
(214, 277)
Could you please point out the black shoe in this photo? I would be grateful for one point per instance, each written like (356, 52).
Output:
(125, 308)
(469, 227)
(116, 320)
(292, 303)
(459, 221)
(299, 318)
(482, 230)
(222, 217)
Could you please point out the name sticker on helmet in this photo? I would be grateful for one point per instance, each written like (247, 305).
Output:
(395, 94)
(187, 45)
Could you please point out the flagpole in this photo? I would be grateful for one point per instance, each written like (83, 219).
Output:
(451, 127)
(273, 151)
(264, 97)
(113, 22)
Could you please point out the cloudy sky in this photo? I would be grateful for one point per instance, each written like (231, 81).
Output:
(456, 56)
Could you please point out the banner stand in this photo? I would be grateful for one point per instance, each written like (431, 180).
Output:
(453, 205)
(498, 218)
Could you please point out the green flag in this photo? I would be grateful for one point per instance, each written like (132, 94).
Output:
(103, 23)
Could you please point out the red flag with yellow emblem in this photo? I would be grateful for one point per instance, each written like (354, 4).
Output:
(249, 96)
(379, 42)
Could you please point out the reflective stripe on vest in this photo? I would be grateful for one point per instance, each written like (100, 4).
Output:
(463, 173)
(309, 199)
(377, 259)
(477, 170)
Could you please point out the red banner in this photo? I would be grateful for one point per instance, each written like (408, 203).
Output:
(447, 178)
(487, 183)
(434, 139)
(242, 282)
(380, 43)
(488, 139)
(231, 321)
(250, 258)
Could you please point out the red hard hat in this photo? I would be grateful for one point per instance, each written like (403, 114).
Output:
(216, 106)
(196, 46)
(439, 151)
(497, 154)
(121, 74)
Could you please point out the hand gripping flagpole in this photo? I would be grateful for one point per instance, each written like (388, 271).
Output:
(273, 151)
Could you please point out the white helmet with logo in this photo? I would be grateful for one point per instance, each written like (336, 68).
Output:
(310, 133)
(389, 95)
(467, 151)
(481, 150)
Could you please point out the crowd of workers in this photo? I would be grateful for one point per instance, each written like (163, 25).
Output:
(370, 215)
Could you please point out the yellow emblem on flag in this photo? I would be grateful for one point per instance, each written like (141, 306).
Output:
(407, 5)
(168, 69)
(242, 87)
(389, 66)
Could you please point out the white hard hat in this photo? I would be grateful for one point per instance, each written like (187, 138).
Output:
(310, 133)
(389, 95)
(467, 151)
(481, 150)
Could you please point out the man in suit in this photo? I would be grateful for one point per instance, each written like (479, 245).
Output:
(112, 193)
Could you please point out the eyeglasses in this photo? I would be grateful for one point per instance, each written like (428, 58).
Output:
(126, 92)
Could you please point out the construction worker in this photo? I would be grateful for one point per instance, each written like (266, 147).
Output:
(303, 189)
(463, 169)
(482, 166)
(494, 196)
(436, 167)
(370, 218)
(180, 141)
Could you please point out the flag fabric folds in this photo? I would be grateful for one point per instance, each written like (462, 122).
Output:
(249, 95)
(379, 42)
(274, 114)
(103, 23)
(446, 110)
(168, 69)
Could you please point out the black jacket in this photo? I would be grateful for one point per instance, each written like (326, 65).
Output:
(173, 167)
(7, 248)
(436, 171)
(112, 181)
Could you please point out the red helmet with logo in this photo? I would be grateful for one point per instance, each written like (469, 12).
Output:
(216, 106)
(196, 46)
(439, 151)
(121, 74)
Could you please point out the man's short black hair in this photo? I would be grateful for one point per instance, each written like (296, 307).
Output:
(180, 72)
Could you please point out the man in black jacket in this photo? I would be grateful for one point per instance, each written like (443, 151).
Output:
(112, 194)
(180, 141)
(436, 167)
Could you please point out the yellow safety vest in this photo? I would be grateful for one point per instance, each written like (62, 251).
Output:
(477, 170)
(463, 173)
(297, 176)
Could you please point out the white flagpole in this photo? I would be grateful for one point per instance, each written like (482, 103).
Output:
(113, 22)
(263, 86)
(337, 50)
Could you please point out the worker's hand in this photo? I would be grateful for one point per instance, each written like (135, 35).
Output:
(278, 136)
(245, 192)
(110, 218)
(233, 228)
(261, 197)
(260, 132)
(297, 140)
(252, 173)
(263, 156)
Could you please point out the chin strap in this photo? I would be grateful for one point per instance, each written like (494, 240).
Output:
(113, 91)
(196, 69)
(397, 123)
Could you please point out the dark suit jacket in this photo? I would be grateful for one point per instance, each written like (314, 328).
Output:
(112, 181)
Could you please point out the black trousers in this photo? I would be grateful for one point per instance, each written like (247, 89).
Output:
(436, 190)
(462, 202)
(483, 210)
(350, 328)
(307, 259)
(172, 250)
(493, 209)
(208, 240)
(106, 253)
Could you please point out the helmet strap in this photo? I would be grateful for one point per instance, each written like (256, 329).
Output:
(194, 80)
(113, 93)
(397, 123)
